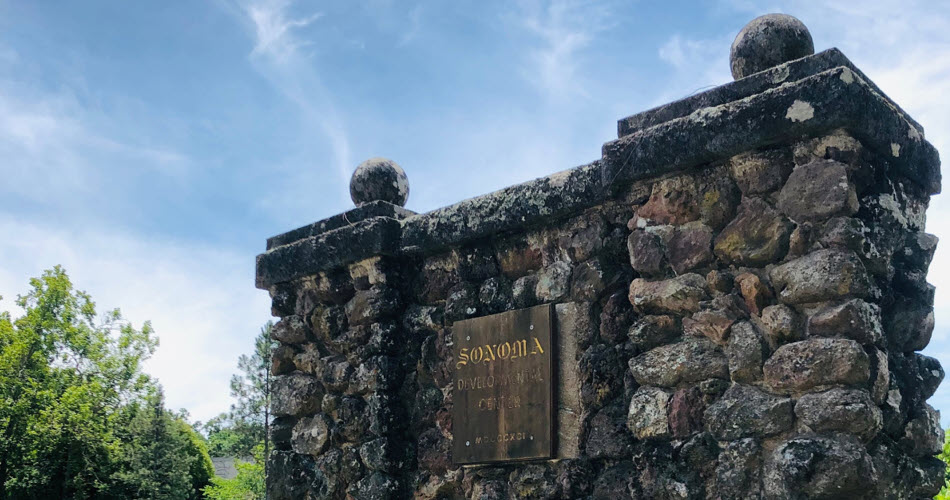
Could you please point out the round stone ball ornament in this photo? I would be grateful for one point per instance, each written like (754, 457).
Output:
(768, 41)
(379, 179)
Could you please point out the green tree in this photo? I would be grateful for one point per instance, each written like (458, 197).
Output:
(249, 484)
(72, 393)
(236, 432)
(945, 456)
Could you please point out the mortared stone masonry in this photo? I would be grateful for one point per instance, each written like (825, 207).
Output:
(740, 297)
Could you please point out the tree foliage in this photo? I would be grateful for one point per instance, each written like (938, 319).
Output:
(945, 456)
(247, 485)
(237, 432)
(78, 417)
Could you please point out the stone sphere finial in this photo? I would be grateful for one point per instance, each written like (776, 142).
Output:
(379, 179)
(768, 41)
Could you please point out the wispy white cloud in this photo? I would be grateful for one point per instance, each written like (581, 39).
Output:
(278, 56)
(54, 146)
(562, 29)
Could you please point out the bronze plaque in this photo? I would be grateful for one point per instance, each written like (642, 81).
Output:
(503, 406)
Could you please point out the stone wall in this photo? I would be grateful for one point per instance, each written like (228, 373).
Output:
(740, 297)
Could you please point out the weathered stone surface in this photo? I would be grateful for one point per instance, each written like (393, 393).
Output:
(840, 410)
(607, 435)
(678, 295)
(601, 369)
(818, 362)
(517, 257)
(923, 434)
(720, 281)
(477, 262)
(781, 324)
(739, 472)
(744, 411)
(533, 481)
(714, 325)
(311, 435)
(647, 417)
(818, 190)
(615, 318)
(281, 431)
(375, 486)
(461, 303)
(290, 330)
(758, 172)
(554, 282)
(283, 300)
(673, 201)
(880, 374)
(768, 41)
(746, 352)
(647, 255)
(819, 276)
(379, 179)
(651, 331)
(819, 467)
(327, 323)
(524, 291)
(854, 319)
(438, 275)
(686, 409)
(292, 475)
(756, 237)
(689, 361)
(495, 295)
(295, 394)
(617, 481)
(368, 306)
(591, 278)
(719, 198)
(909, 326)
(755, 293)
(689, 247)
(282, 360)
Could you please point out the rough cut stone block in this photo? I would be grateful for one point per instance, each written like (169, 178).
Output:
(781, 324)
(755, 293)
(647, 418)
(840, 410)
(801, 366)
(673, 201)
(651, 331)
(923, 434)
(646, 253)
(819, 467)
(756, 237)
(296, 394)
(759, 172)
(746, 352)
(819, 276)
(739, 472)
(678, 295)
(290, 330)
(689, 361)
(744, 411)
(311, 435)
(818, 190)
(855, 319)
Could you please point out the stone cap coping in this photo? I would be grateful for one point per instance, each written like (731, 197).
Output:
(750, 85)
(821, 93)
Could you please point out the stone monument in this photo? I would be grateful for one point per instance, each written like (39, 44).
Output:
(729, 303)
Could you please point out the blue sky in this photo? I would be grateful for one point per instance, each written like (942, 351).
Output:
(150, 148)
